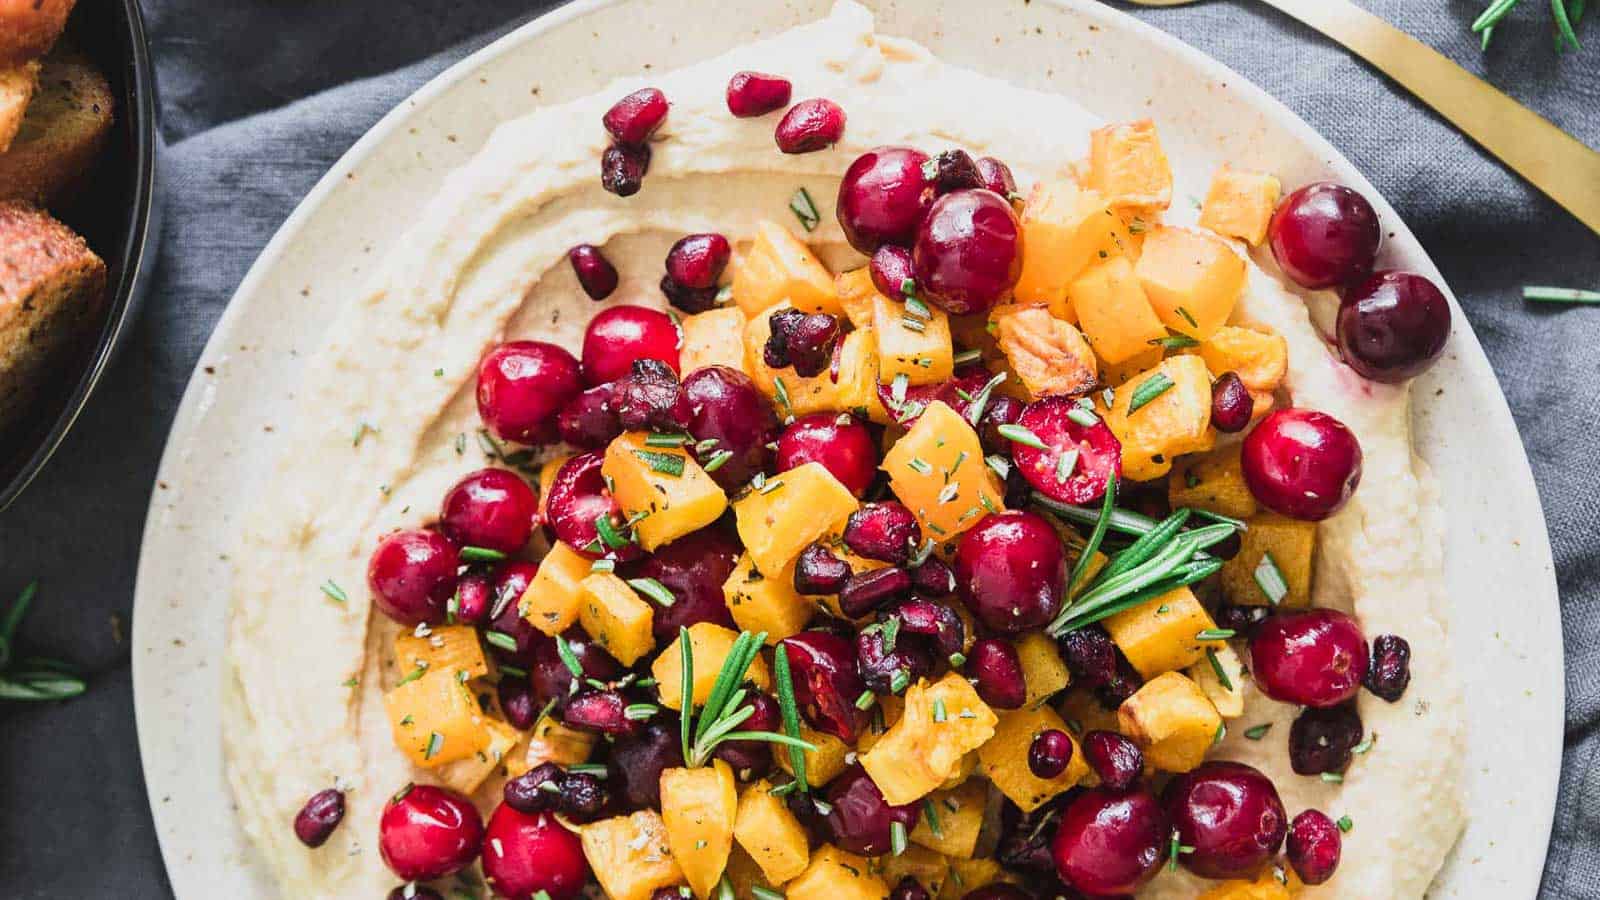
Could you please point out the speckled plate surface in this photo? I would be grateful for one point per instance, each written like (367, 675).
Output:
(1496, 549)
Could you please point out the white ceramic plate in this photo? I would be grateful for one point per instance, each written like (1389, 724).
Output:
(1497, 548)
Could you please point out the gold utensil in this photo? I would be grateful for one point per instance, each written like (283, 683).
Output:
(1552, 160)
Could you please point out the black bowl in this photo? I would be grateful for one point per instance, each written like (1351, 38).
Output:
(117, 221)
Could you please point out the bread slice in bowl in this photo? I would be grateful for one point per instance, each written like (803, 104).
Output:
(17, 84)
(61, 134)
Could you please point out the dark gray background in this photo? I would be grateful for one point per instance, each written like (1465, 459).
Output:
(73, 815)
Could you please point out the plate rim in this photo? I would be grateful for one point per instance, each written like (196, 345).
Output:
(1476, 361)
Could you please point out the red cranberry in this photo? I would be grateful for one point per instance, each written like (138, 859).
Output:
(890, 269)
(517, 703)
(996, 671)
(861, 820)
(883, 198)
(803, 340)
(623, 167)
(316, 821)
(697, 260)
(548, 673)
(1393, 325)
(938, 622)
(536, 790)
(1230, 814)
(474, 598)
(1077, 460)
(818, 571)
(511, 580)
(957, 393)
(754, 757)
(1302, 464)
(885, 531)
(1313, 846)
(1324, 235)
(825, 682)
(429, 832)
(1321, 740)
(521, 385)
(968, 251)
(1049, 753)
(933, 578)
(1110, 842)
(1231, 403)
(491, 508)
(752, 94)
(687, 299)
(525, 855)
(621, 334)
(873, 589)
(693, 568)
(1315, 657)
(842, 444)
(909, 888)
(595, 273)
(886, 669)
(955, 170)
(809, 125)
(1116, 760)
(600, 711)
(1390, 669)
(578, 497)
(412, 575)
(729, 415)
(997, 176)
(1239, 619)
(636, 763)
(1001, 410)
(1010, 571)
(635, 117)
(649, 397)
(588, 421)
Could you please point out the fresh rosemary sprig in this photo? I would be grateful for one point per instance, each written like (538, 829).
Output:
(791, 714)
(724, 709)
(31, 678)
(1567, 15)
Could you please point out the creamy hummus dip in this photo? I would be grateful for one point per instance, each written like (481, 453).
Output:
(486, 261)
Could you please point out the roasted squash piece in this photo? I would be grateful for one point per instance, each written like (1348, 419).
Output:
(1064, 229)
(551, 741)
(1128, 166)
(616, 618)
(771, 834)
(1246, 579)
(1113, 312)
(1239, 204)
(857, 295)
(823, 764)
(1259, 358)
(443, 648)
(1043, 670)
(554, 595)
(912, 345)
(1192, 279)
(630, 855)
(929, 868)
(1083, 713)
(937, 471)
(951, 819)
(1266, 886)
(1048, 355)
(698, 807)
(790, 510)
(435, 719)
(465, 775)
(744, 876)
(1176, 421)
(1213, 482)
(663, 484)
(1115, 375)
(777, 267)
(854, 389)
(835, 874)
(1221, 678)
(760, 603)
(1172, 720)
(1160, 635)
(713, 338)
(710, 645)
(968, 875)
(943, 721)
(1004, 760)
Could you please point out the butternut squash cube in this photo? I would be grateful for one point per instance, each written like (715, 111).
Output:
(435, 719)
(790, 510)
(444, 648)
(1239, 204)
(1043, 671)
(547, 477)
(770, 604)
(951, 819)
(1083, 713)
(1292, 546)
(1004, 760)
(930, 869)
(1191, 278)
(777, 267)
(823, 764)
(698, 807)
(943, 721)
(968, 875)
(1176, 421)
(1172, 720)
(630, 855)
(1213, 482)
(1259, 358)
(551, 741)
(909, 345)
(858, 295)
(1221, 678)
(665, 484)
(937, 471)
(835, 874)
(709, 644)
(1264, 887)
(889, 709)
(1113, 312)
(713, 338)
(1128, 166)
(466, 775)
(745, 876)
(771, 834)
(1115, 375)
(1064, 229)
(855, 390)
(555, 594)
(616, 618)
(1158, 635)
(1048, 354)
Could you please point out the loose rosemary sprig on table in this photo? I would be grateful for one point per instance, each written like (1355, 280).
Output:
(723, 711)
(31, 678)
(1567, 15)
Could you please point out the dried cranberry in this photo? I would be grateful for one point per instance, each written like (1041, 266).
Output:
(1321, 740)
(1090, 655)
(650, 397)
(1240, 619)
(697, 260)
(595, 273)
(583, 796)
(601, 711)
(1122, 685)
(1231, 403)
(316, 821)
(933, 578)
(884, 531)
(873, 589)
(825, 682)
(1116, 760)
(636, 763)
(536, 790)
(887, 670)
(933, 620)
(861, 820)
(1390, 669)
(809, 125)
(1313, 846)
(1025, 839)
(688, 299)
(996, 670)
(909, 888)
(517, 703)
(623, 167)
(803, 340)
(635, 117)
(1049, 753)
(955, 170)
(818, 571)
(752, 94)
(997, 176)
(890, 269)
(1001, 410)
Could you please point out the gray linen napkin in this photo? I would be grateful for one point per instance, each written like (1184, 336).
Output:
(261, 96)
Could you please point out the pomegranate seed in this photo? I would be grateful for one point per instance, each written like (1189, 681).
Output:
(809, 125)
(909, 889)
(884, 531)
(818, 571)
(891, 269)
(1231, 403)
(752, 94)
(623, 167)
(943, 624)
(1313, 846)
(527, 793)
(933, 578)
(697, 260)
(317, 820)
(690, 300)
(1390, 669)
(635, 117)
(602, 711)
(595, 273)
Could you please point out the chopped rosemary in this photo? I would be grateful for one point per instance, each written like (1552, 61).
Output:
(1174, 342)
(1084, 416)
(608, 533)
(481, 554)
(1559, 295)
(786, 704)
(1214, 634)
(980, 402)
(1020, 435)
(897, 838)
(717, 460)
(967, 356)
(1333, 777)
(1257, 732)
(568, 657)
(1148, 390)
(1270, 579)
(334, 592)
(1065, 464)
(932, 815)
(655, 590)
(804, 209)
(659, 439)
(782, 393)
(665, 463)
(1216, 667)
(1345, 824)
(502, 640)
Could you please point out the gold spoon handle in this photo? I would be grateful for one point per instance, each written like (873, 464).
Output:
(1554, 161)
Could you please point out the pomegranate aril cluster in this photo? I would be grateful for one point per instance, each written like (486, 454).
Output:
(694, 264)
(630, 121)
